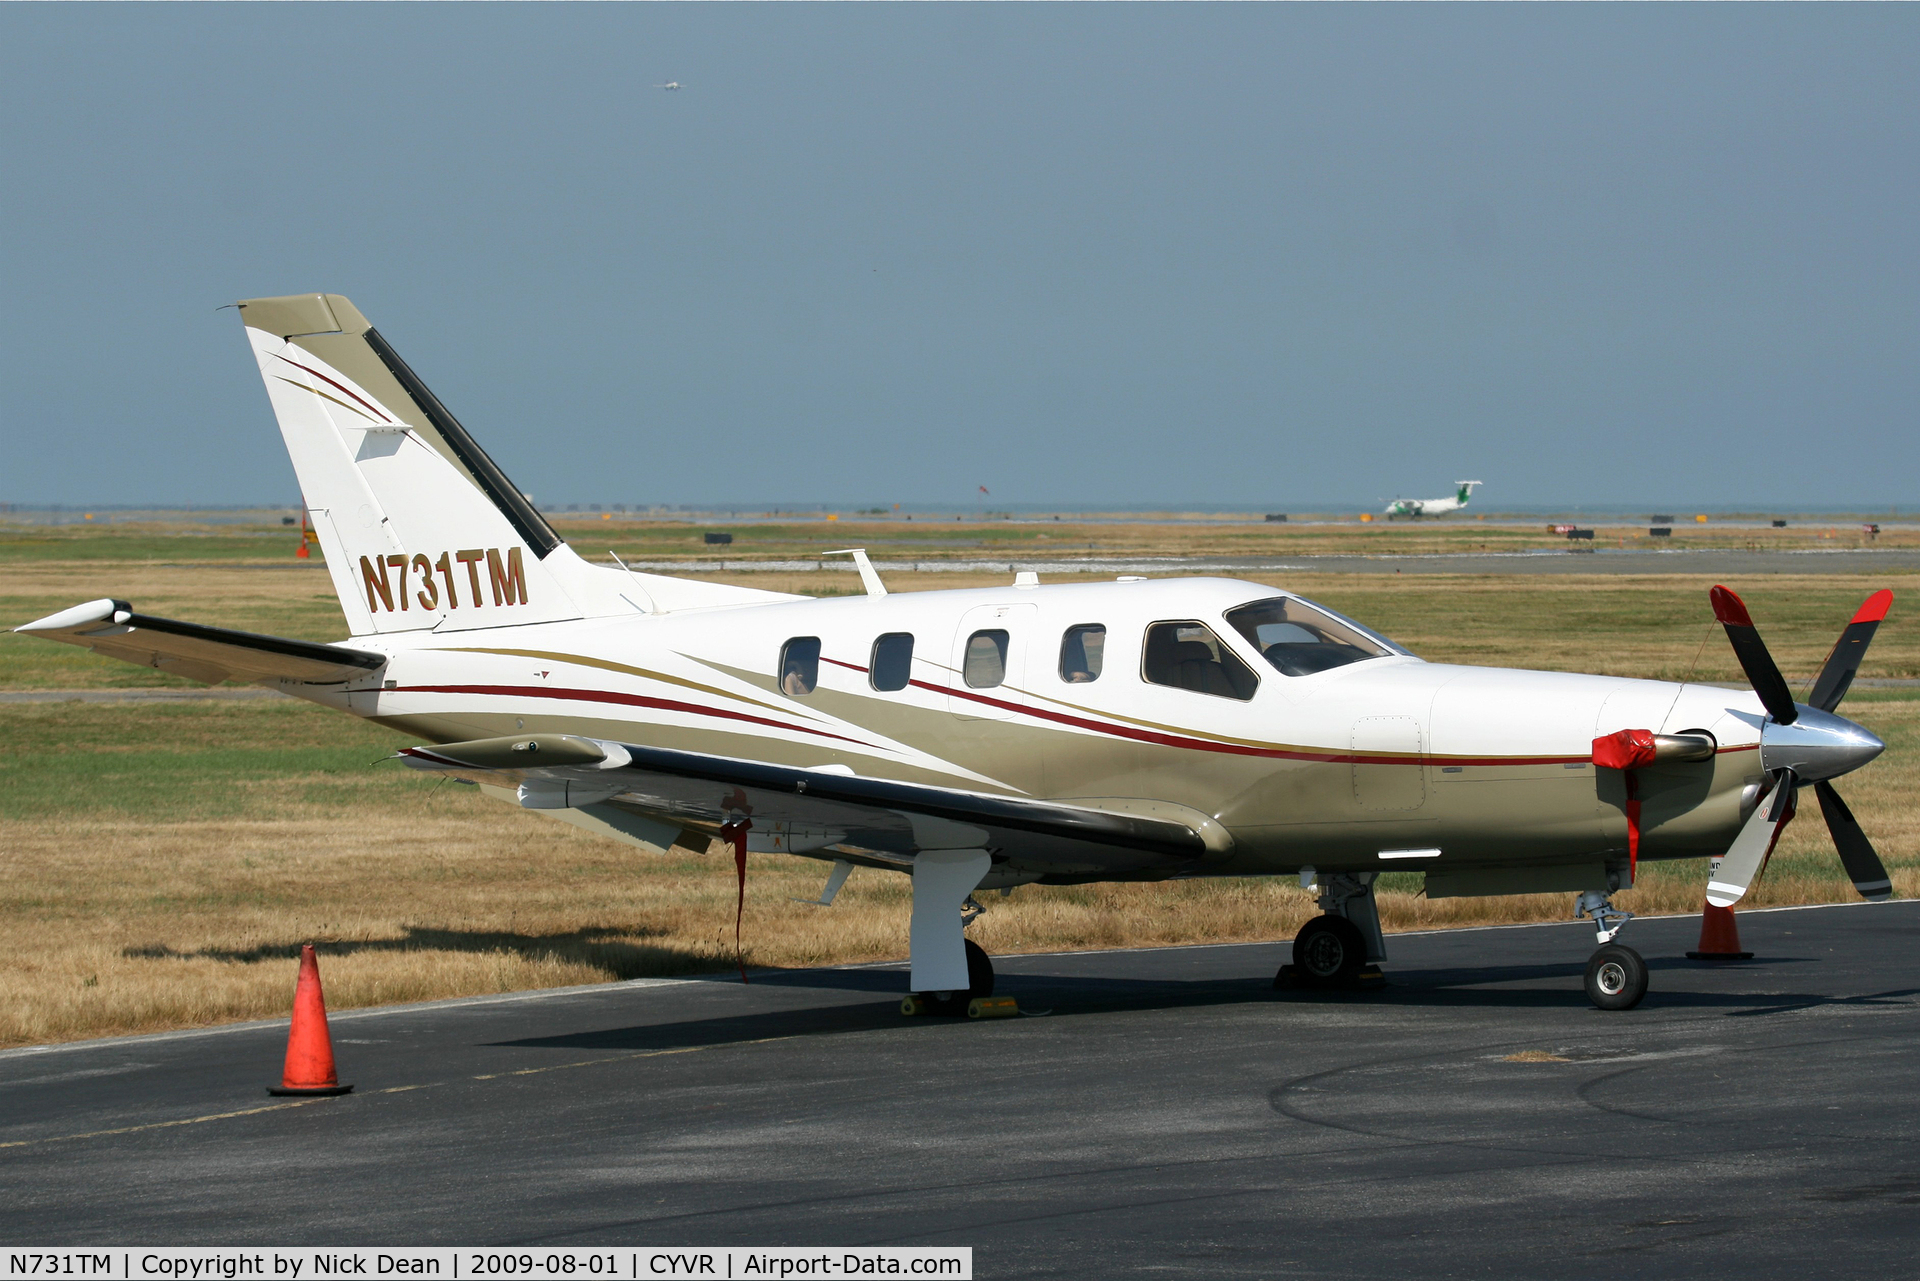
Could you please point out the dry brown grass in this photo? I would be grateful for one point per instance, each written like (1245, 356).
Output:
(160, 867)
(414, 891)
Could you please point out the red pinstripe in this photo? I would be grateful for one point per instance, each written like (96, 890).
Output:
(627, 700)
(343, 390)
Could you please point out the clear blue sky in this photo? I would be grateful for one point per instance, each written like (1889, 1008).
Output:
(1273, 255)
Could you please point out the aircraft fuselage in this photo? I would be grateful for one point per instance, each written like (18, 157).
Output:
(1364, 766)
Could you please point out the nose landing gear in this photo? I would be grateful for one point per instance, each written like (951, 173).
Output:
(1616, 975)
(1616, 978)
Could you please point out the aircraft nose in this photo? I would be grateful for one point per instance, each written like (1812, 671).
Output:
(1817, 745)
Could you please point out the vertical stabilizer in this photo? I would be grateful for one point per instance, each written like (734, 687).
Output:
(421, 529)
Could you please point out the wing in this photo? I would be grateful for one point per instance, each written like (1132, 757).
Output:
(209, 654)
(802, 811)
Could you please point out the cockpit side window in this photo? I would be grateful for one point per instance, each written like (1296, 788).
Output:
(800, 666)
(1300, 638)
(1188, 655)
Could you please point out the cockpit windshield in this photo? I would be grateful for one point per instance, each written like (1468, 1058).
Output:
(1300, 638)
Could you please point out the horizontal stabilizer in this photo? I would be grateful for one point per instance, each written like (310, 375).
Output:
(198, 652)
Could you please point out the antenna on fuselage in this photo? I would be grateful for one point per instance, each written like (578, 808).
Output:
(645, 595)
(869, 577)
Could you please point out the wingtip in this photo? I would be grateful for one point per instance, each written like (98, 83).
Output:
(94, 611)
(1875, 608)
(1729, 609)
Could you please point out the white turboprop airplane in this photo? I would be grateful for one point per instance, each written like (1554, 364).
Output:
(983, 739)
(1417, 507)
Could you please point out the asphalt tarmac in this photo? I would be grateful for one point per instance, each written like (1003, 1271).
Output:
(1169, 1114)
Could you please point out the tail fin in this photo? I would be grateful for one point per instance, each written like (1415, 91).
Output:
(1466, 489)
(420, 528)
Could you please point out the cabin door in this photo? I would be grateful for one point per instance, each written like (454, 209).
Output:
(989, 661)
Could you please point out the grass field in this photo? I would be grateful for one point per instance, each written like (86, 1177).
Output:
(161, 864)
(975, 537)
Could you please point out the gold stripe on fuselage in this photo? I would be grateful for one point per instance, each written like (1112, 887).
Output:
(581, 660)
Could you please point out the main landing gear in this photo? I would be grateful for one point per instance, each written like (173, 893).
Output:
(1342, 947)
(1616, 975)
(952, 974)
(957, 1004)
(1328, 951)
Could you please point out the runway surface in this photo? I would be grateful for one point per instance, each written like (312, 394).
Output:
(1171, 1115)
(1717, 562)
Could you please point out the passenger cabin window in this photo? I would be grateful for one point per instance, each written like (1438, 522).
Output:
(800, 666)
(1190, 656)
(1300, 639)
(986, 661)
(1081, 650)
(892, 665)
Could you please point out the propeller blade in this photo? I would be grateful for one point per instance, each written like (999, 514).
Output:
(1837, 675)
(1748, 853)
(1864, 868)
(1762, 672)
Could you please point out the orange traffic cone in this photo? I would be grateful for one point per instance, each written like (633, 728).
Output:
(309, 1067)
(1719, 936)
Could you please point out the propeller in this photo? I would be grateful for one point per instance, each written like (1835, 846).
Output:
(1836, 675)
(1751, 848)
(1762, 672)
(1823, 741)
(1864, 868)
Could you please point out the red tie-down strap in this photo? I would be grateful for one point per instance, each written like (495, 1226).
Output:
(1627, 750)
(735, 831)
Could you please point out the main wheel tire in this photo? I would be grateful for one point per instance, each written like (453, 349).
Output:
(979, 983)
(1616, 978)
(1329, 950)
(979, 971)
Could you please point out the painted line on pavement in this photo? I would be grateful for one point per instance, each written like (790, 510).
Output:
(119, 1131)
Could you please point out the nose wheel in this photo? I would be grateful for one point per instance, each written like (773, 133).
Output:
(1616, 977)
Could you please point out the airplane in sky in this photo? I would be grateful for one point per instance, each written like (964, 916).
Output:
(982, 739)
(671, 84)
(1417, 507)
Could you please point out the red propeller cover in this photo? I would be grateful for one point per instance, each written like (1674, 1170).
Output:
(1625, 749)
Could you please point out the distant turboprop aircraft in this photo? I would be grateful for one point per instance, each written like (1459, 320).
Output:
(1417, 507)
(980, 739)
(671, 84)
